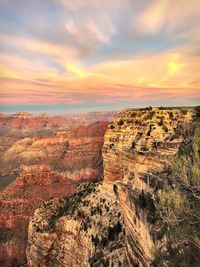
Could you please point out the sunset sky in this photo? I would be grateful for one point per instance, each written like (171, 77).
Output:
(67, 56)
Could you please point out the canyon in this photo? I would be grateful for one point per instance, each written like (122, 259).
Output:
(113, 222)
(22, 135)
(43, 157)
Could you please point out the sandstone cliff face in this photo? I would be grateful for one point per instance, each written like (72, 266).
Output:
(137, 146)
(78, 231)
(138, 141)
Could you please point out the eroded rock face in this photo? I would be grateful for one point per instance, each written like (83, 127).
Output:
(50, 166)
(18, 201)
(21, 134)
(138, 141)
(137, 147)
(76, 152)
(78, 231)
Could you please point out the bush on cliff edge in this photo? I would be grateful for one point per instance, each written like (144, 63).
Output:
(178, 206)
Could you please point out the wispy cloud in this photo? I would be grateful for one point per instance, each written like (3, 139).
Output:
(170, 16)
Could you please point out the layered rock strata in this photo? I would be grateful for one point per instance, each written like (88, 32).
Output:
(17, 203)
(78, 231)
(56, 166)
(138, 145)
(22, 132)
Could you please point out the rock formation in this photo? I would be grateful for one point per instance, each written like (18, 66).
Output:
(27, 139)
(24, 120)
(105, 224)
(45, 167)
(18, 201)
(77, 231)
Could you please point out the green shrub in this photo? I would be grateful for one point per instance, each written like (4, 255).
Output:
(120, 122)
(197, 112)
(160, 123)
(133, 114)
(165, 128)
(171, 115)
(178, 208)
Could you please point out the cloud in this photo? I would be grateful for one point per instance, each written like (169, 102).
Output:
(89, 33)
(84, 52)
(170, 16)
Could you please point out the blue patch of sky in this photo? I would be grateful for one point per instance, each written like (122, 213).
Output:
(89, 106)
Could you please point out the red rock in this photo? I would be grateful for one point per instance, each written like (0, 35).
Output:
(49, 166)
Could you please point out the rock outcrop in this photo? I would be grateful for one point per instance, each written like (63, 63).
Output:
(77, 231)
(111, 223)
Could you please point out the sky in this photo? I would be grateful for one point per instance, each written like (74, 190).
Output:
(68, 56)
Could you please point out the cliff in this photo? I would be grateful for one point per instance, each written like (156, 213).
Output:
(22, 132)
(18, 201)
(137, 147)
(47, 166)
(77, 231)
(76, 151)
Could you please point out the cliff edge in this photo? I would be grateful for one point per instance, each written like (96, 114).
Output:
(105, 223)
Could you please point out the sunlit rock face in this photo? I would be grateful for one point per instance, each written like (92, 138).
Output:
(27, 139)
(137, 147)
(44, 167)
(105, 223)
(78, 231)
(138, 141)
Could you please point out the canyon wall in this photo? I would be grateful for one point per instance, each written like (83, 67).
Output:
(38, 168)
(138, 146)
(34, 184)
(24, 120)
(27, 139)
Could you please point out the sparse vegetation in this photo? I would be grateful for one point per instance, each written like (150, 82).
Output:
(171, 115)
(120, 122)
(133, 114)
(114, 231)
(197, 112)
(165, 128)
(144, 148)
(178, 207)
(160, 123)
